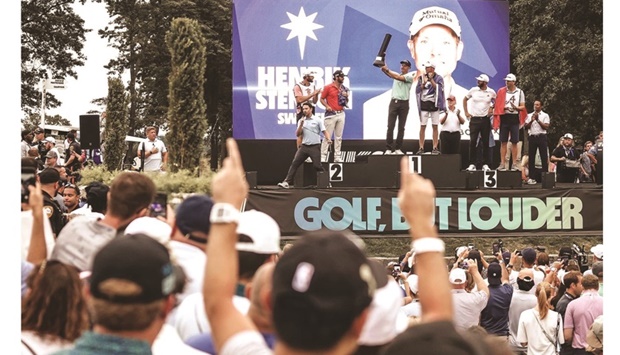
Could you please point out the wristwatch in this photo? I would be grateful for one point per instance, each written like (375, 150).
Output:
(224, 213)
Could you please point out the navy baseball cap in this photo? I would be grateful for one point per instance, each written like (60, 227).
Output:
(193, 214)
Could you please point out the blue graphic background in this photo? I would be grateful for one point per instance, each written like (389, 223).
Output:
(352, 34)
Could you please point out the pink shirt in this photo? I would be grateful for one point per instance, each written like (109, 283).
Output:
(580, 314)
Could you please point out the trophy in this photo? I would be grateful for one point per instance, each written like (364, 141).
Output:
(380, 60)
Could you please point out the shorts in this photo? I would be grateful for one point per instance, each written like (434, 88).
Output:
(425, 115)
(509, 126)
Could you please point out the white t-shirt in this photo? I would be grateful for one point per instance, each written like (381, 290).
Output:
(191, 319)
(169, 342)
(535, 128)
(193, 260)
(152, 162)
(452, 123)
(521, 301)
(26, 218)
(479, 101)
(246, 343)
(530, 332)
(467, 307)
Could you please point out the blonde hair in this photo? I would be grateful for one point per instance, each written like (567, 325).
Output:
(543, 294)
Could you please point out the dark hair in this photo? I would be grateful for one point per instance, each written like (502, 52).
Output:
(71, 136)
(130, 192)
(542, 259)
(570, 278)
(307, 104)
(475, 254)
(55, 305)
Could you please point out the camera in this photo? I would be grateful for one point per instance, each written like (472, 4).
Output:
(28, 179)
(464, 265)
(470, 246)
(498, 247)
(574, 252)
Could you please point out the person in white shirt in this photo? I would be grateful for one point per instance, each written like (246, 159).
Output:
(451, 121)
(540, 328)
(537, 123)
(468, 305)
(155, 152)
(482, 102)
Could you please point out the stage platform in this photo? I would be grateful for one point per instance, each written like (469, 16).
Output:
(360, 194)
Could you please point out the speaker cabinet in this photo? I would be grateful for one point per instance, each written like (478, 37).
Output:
(89, 132)
(548, 180)
(251, 177)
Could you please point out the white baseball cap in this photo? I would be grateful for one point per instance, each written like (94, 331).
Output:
(151, 226)
(458, 276)
(434, 15)
(597, 250)
(483, 77)
(262, 229)
(51, 140)
(309, 72)
(429, 64)
(568, 135)
(510, 77)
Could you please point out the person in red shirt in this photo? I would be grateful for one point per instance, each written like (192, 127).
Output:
(334, 98)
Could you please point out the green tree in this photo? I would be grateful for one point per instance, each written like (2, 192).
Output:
(52, 40)
(187, 109)
(138, 31)
(33, 121)
(557, 55)
(115, 124)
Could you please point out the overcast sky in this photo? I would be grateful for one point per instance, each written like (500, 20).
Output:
(92, 80)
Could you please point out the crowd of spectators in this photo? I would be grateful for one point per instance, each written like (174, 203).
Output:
(211, 279)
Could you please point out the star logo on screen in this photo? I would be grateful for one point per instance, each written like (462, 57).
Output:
(302, 27)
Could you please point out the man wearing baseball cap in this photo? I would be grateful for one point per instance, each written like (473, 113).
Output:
(477, 112)
(305, 91)
(399, 105)
(334, 97)
(434, 36)
(509, 116)
(130, 293)
(431, 101)
(563, 155)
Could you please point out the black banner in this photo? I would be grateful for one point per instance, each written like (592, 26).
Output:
(458, 212)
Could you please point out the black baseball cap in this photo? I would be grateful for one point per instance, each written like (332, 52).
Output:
(136, 258)
(529, 255)
(193, 214)
(405, 61)
(339, 73)
(324, 279)
(494, 274)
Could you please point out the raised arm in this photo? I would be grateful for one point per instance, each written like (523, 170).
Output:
(229, 188)
(416, 199)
